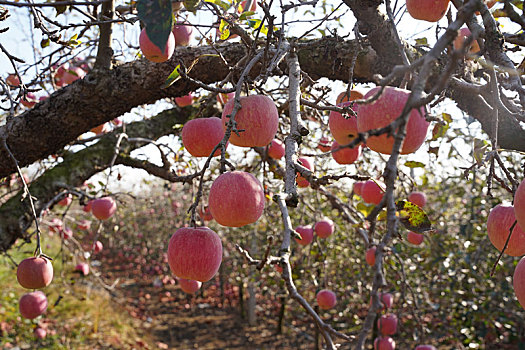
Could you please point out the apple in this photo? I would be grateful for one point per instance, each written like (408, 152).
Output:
(518, 282)
(343, 130)
(463, 33)
(200, 136)
(371, 192)
(87, 208)
(152, 52)
(358, 187)
(40, 333)
(418, 198)
(195, 253)
(427, 10)
(354, 95)
(236, 199)
(72, 74)
(189, 286)
(324, 228)
(415, 238)
(500, 219)
(13, 80)
(307, 163)
(384, 343)
(205, 213)
(223, 98)
(64, 202)
(83, 268)
(386, 299)
(184, 101)
(32, 305)
(370, 256)
(66, 233)
(103, 208)
(97, 248)
(385, 110)
(276, 149)
(101, 129)
(258, 117)
(34, 273)
(345, 155)
(387, 324)
(326, 299)
(307, 235)
(29, 100)
(84, 225)
(325, 144)
(519, 204)
(425, 347)
(183, 33)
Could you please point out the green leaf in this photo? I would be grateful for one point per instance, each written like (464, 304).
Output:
(61, 9)
(422, 41)
(192, 5)
(413, 217)
(44, 43)
(256, 24)
(245, 15)
(223, 4)
(156, 15)
(172, 78)
(478, 150)
(414, 164)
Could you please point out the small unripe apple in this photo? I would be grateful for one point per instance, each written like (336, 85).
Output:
(358, 187)
(184, 101)
(32, 305)
(258, 117)
(385, 110)
(13, 80)
(152, 52)
(200, 136)
(103, 208)
(64, 202)
(460, 39)
(325, 144)
(418, 198)
(425, 347)
(83, 268)
(183, 33)
(387, 324)
(29, 100)
(236, 199)
(189, 286)
(384, 343)
(499, 222)
(40, 333)
(344, 130)
(415, 238)
(519, 204)
(34, 273)
(370, 256)
(307, 235)
(371, 192)
(326, 299)
(427, 10)
(276, 149)
(307, 163)
(195, 253)
(345, 155)
(354, 95)
(324, 228)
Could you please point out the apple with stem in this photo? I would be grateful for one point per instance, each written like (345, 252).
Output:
(500, 220)
(344, 97)
(371, 192)
(307, 235)
(34, 273)
(343, 127)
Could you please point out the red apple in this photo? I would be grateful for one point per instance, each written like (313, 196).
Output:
(386, 299)
(223, 98)
(13, 80)
(326, 299)
(345, 155)
(425, 347)
(343, 96)
(500, 219)
(97, 248)
(236, 199)
(195, 253)
(84, 225)
(40, 333)
(344, 130)
(200, 136)
(307, 163)
(34, 273)
(258, 117)
(418, 198)
(184, 101)
(385, 110)
(32, 305)
(519, 282)
(384, 343)
(371, 192)
(103, 208)
(460, 39)
(83, 268)
(415, 238)
(370, 256)
(29, 100)
(64, 202)
(307, 235)
(183, 33)
(152, 52)
(324, 228)
(189, 286)
(358, 187)
(205, 214)
(427, 10)
(72, 74)
(387, 324)
(276, 149)
(325, 144)
(519, 204)
(87, 207)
